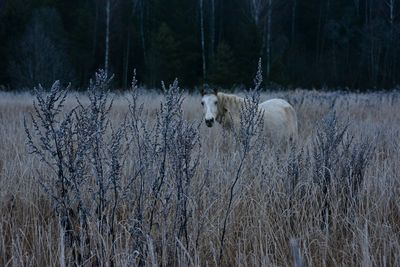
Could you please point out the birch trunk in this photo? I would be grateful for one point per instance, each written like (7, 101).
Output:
(94, 44)
(357, 7)
(106, 59)
(268, 54)
(319, 29)
(142, 36)
(294, 7)
(212, 33)
(126, 63)
(202, 40)
(389, 62)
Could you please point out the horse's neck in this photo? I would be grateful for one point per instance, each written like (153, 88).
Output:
(230, 102)
(229, 106)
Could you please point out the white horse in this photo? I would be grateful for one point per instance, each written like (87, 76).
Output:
(280, 119)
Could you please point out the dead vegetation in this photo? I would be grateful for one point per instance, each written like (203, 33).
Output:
(122, 180)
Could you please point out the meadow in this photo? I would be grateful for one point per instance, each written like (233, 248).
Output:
(152, 185)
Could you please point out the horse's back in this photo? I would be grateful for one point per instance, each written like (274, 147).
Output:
(275, 102)
(280, 118)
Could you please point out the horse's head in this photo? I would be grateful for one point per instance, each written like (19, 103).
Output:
(209, 101)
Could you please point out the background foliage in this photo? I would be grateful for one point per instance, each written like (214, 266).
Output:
(302, 43)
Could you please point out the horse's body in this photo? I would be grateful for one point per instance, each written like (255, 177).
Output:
(280, 119)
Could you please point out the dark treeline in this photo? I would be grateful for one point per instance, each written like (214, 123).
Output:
(306, 43)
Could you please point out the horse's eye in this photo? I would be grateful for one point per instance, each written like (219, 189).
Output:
(202, 103)
(216, 102)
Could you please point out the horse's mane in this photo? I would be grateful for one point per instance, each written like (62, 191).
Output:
(231, 102)
(228, 108)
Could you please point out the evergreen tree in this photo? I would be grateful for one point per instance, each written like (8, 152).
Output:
(223, 66)
(165, 62)
(39, 55)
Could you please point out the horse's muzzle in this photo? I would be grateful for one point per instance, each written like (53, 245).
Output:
(210, 122)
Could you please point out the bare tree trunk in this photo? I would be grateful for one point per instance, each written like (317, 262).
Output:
(389, 59)
(212, 33)
(221, 21)
(255, 12)
(334, 63)
(390, 4)
(269, 21)
(263, 34)
(294, 7)
(106, 59)
(142, 36)
(392, 42)
(94, 45)
(357, 7)
(373, 62)
(202, 40)
(128, 44)
(368, 12)
(126, 61)
(319, 29)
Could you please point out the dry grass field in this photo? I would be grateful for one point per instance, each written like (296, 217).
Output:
(163, 189)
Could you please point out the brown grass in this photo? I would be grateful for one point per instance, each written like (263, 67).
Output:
(265, 215)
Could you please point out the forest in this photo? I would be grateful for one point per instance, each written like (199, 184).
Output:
(106, 158)
(307, 44)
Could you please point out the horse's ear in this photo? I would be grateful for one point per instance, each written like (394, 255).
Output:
(202, 92)
(215, 90)
(205, 89)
